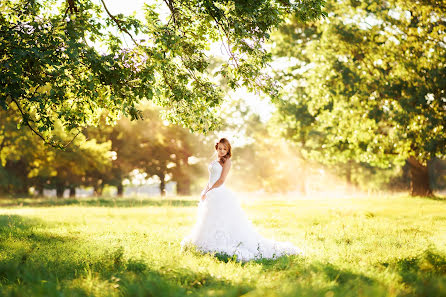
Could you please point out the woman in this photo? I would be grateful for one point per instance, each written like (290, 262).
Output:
(222, 226)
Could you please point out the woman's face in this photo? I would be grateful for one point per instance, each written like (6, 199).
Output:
(221, 150)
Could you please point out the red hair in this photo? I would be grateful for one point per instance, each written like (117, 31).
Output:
(226, 143)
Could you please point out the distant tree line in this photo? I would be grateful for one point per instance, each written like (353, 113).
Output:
(107, 155)
(103, 155)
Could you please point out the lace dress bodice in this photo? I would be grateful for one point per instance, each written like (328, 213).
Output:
(215, 170)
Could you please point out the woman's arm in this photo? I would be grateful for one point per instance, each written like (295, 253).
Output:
(205, 189)
(224, 173)
(203, 193)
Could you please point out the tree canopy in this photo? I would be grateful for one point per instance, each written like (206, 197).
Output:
(368, 84)
(68, 61)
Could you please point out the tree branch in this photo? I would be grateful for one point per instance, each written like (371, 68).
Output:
(3, 143)
(52, 144)
(118, 24)
(172, 10)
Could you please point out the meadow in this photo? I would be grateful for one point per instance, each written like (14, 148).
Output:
(356, 246)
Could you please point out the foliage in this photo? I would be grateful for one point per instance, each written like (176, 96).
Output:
(27, 162)
(375, 246)
(367, 83)
(150, 146)
(103, 155)
(67, 60)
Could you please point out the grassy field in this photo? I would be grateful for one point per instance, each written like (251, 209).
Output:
(376, 246)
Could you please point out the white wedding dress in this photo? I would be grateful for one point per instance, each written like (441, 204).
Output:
(223, 227)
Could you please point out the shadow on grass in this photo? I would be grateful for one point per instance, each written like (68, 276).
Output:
(423, 275)
(101, 202)
(299, 276)
(434, 196)
(437, 198)
(35, 263)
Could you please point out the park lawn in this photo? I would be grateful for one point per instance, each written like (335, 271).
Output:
(363, 246)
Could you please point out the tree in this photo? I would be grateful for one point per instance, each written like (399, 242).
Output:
(184, 146)
(368, 85)
(17, 153)
(73, 168)
(28, 162)
(53, 67)
(151, 146)
(165, 150)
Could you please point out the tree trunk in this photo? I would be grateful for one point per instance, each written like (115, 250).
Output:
(24, 189)
(39, 190)
(59, 190)
(351, 185)
(348, 174)
(18, 172)
(97, 190)
(120, 189)
(419, 178)
(72, 192)
(162, 185)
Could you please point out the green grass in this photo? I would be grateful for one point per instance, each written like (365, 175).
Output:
(379, 246)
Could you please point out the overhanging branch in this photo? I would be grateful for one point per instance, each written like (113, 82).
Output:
(52, 144)
(118, 23)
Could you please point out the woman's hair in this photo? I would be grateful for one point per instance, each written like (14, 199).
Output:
(226, 143)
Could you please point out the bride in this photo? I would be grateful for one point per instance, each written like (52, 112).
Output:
(222, 226)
